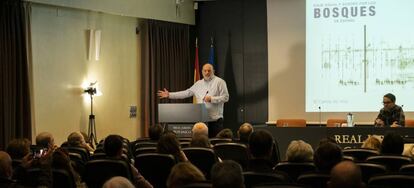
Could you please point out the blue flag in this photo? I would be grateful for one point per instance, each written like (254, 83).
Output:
(211, 57)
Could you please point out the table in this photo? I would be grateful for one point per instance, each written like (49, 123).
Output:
(346, 137)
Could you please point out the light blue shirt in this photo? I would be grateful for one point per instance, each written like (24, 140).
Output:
(215, 87)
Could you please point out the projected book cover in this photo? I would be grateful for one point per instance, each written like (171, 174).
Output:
(357, 51)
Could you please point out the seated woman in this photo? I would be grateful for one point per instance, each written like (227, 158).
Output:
(169, 144)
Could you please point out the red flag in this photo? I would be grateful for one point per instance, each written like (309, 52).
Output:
(196, 68)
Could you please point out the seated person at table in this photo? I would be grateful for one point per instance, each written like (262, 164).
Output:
(391, 115)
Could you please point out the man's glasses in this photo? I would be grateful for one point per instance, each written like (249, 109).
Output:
(386, 102)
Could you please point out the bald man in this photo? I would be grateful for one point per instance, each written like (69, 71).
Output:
(118, 182)
(346, 175)
(212, 91)
(244, 132)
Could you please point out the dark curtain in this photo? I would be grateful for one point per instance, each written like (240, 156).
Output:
(15, 121)
(166, 64)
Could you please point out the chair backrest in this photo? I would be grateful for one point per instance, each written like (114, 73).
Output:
(82, 151)
(252, 179)
(215, 141)
(291, 123)
(145, 144)
(275, 156)
(360, 154)
(294, 170)
(409, 122)
(96, 156)
(392, 162)
(100, 170)
(334, 122)
(185, 144)
(369, 170)
(407, 168)
(155, 167)
(63, 179)
(144, 150)
(77, 163)
(233, 151)
(202, 158)
(205, 184)
(280, 185)
(314, 180)
(392, 180)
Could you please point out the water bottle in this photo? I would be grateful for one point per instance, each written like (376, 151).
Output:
(350, 120)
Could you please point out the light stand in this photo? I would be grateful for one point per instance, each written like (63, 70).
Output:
(92, 126)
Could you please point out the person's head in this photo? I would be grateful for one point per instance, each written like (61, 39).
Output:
(225, 133)
(184, 173)
(244, 132)
(227, 174)
(373, 143)
(200, 128)
(200, 141)
(388, 101)
(76, 139)
(113, 145)
(118, 182)
(6, 169)
(155, 132)
(61, 160)
(345, 175)
(392, 144)
(85, 137)
(45, 140)
(299, 151)
(261, 144)
(326, 156)
(18, 148)
(169, 144)
(208, 71)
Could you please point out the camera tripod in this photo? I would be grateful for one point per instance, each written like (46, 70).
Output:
(92, 127)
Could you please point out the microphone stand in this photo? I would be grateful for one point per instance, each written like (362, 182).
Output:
(320, 117)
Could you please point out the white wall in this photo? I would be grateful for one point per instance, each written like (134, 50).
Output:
(286, 45)
(166, 10)
(60, 66)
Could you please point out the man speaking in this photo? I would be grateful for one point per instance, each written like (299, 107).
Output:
(391, 115)
(210, 90)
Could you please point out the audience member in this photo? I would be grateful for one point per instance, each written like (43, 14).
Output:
(326, 156)
(43, 179)
(155, 133)
(200, 140)
(227, 174)
(18, 148)
(299, 151)
(169, 144)
(225, 133)
(261, 147)
(200, 128)
(244, 132)
(6, 170)
(76, 139)
(45, 140)
(346, 175)
(373, 143)
(184, 173)
(61, 160)
(113, 148)
(392, 144)
(118, 182)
